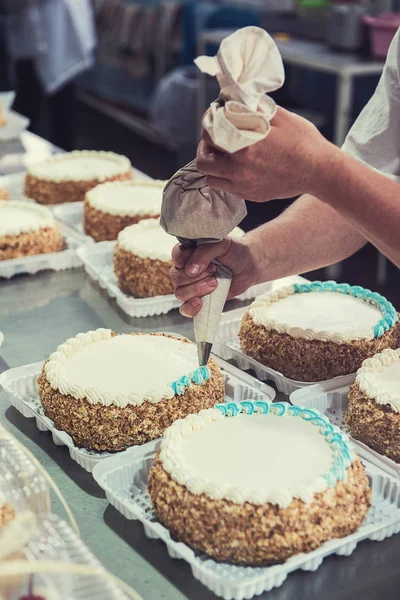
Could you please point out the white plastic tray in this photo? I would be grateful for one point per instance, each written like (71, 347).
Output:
(98, 263)
(333, 402)
(227, 346)
(124, 479)
(55, 261)
(20, 385)
(55, 541)
(14, 183)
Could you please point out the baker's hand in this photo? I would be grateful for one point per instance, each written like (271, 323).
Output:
(193, 272)
(286, 163)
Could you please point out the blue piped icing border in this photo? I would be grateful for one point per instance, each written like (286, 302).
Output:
(342, 448)
(198, 377)
(389, 313)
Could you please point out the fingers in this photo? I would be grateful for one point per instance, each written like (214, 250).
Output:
(203, 255)
(179, 277)
(181, 255)
(216, 183)
(190, 309)
(198, 289)
(212, 162)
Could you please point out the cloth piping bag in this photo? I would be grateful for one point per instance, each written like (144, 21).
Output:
(248, 66)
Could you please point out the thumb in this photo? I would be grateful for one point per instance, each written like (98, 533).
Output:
(204, 254)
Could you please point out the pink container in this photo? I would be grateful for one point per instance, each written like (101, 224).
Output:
(382, 30)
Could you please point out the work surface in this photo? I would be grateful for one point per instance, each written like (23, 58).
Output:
(39, 312)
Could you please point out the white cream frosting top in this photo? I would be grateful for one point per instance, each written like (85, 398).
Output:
(326, 316)
(265, 458)
(120, 370)
(23, 217)
(81, 165)
(379, 378)
(127, 198)
(148, 239)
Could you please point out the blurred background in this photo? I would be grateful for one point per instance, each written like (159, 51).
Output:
(119, 75)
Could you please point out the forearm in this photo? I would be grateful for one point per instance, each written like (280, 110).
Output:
(368, 200)
(307, 236)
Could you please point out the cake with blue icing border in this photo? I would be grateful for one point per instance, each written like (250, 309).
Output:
(286, 482)
(109, 391)
(316, 331)
(373, 414)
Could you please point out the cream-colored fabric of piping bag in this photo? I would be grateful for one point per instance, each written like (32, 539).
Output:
(248, 66)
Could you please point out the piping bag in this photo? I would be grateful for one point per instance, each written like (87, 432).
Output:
(248, 66)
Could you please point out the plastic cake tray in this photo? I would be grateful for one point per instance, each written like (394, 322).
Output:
(124, 479)
(21, 387)
(333, 402)
(55, 261)
(98, 263)
(227, 346)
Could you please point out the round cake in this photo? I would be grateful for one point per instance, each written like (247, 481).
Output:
(3, 189)
(373, 415)
(67, 177)
(109, 392)
(112, 206)
(142, 259)
(286, 482)
(317, 331)
(27, 229)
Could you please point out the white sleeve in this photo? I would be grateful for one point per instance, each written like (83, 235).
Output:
(375, 136)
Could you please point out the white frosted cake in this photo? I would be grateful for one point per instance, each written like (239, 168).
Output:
(112, 206)
(319, 330)
(27, 229)
(373, 415)
(142, 259)
(113, 391)
(286, 482)
(68, 177)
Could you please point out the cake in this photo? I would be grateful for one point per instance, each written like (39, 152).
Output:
(142, 259)
(255, 483)
(373, 415)
(3, 189)
(112, 206)
(67, 177)
(27, 229)
(316, 331)
(109, 392)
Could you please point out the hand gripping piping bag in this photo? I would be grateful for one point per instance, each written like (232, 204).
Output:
(248, 66)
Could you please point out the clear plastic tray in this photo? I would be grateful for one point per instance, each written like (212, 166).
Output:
(54, 540)
(20, 385)
(21, 483)
(98, 263)
(227, 346)
(55, 261)
(333, 402)
(71, 214)
(124, 480)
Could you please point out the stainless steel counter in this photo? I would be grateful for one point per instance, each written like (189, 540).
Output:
(39, 312)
